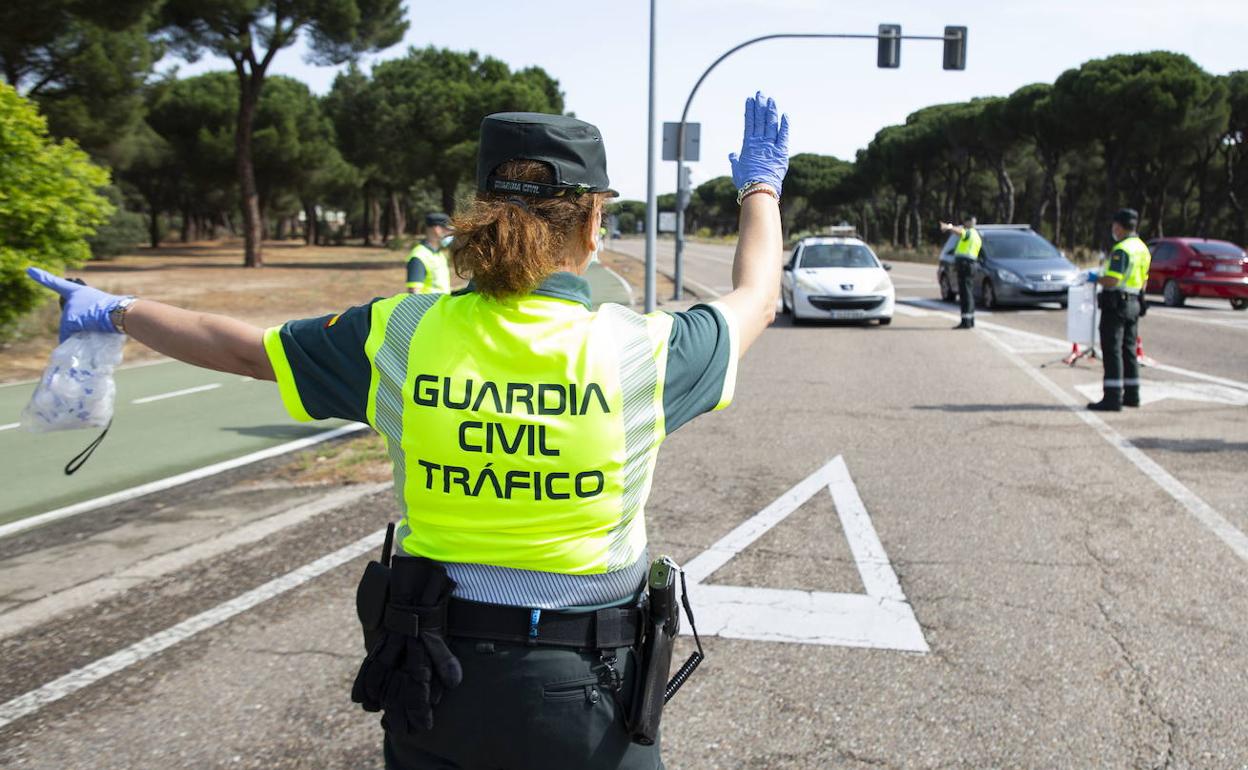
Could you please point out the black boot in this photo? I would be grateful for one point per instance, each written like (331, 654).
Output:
(1131, 396)
(1110, 402)
(965, 325)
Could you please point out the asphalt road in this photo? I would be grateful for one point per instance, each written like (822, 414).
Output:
(986, 577)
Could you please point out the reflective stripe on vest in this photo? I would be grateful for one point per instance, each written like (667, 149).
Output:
(1139, 260)
(524, 432)
(437, 270)
(969, 244)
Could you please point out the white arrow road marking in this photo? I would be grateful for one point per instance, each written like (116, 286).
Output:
(1157, 390)
(880, 618)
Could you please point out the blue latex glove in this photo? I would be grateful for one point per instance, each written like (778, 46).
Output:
(86, 308)
(1092, 276)
(765, 149)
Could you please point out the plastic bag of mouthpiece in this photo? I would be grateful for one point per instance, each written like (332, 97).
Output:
(77, 388)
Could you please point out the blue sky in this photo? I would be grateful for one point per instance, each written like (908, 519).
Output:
(835, 96)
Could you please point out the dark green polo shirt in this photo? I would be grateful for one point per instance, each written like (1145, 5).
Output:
(331, 372)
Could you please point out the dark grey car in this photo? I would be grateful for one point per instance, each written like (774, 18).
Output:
(1017, 266)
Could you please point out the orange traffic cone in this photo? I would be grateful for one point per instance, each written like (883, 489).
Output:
(1139, 352)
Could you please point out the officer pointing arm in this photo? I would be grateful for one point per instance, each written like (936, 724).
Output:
(524, 427)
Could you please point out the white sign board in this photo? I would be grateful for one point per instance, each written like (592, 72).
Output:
(1081, 314)
(667, 221)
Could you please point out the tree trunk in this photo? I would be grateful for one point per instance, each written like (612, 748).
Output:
(448, 198)
(280, 229)
(309, 223)
(253, 221)
(1006, 185)
(153, 227)
(188, 226)
(398, 219)
(896, 220)
(372, 219)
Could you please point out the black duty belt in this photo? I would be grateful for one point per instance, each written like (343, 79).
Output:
(597, 629)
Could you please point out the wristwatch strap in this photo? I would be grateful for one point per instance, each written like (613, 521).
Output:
(118, 314)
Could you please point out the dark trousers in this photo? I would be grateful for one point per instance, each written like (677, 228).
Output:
(528, 707)
(1120, 320)
(966, 290)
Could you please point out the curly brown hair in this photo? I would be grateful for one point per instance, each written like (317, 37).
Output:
(507, 244)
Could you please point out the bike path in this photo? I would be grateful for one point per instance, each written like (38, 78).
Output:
(174, 432)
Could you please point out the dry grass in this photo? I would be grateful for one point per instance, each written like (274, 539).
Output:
(296, 282)
(361, 459)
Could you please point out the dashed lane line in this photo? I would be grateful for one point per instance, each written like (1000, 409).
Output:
(30, 702)
(10, 426)
(1204, 513)
(124, 495)
(176, 393)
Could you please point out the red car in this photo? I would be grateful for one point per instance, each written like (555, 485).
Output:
(1198, 267)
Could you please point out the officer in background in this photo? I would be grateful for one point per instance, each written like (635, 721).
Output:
(524, 429)
(1122, 289)
(427, 269)
(965, 255)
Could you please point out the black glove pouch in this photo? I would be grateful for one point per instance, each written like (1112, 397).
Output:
(370, 602)
(409, 664)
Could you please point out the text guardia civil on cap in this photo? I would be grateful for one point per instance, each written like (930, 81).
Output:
(572, 148)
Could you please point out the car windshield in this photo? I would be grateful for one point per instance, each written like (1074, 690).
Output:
(837, 255)
(1219, 250)
(1018, 245)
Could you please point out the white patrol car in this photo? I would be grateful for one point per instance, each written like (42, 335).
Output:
(836, 278)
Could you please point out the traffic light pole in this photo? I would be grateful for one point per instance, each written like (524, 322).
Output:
(682, 191)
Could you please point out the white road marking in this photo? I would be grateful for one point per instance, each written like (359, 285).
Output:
(176, 393)
(84, 594)
(881, 618)
(122, 368)
(124, 495)
(91, 673)
(1158, 390)
(1181, 315)
(1054, 343)
(1198, 508)
(10, 426)
(906, 310)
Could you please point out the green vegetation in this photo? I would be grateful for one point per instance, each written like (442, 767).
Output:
(48, 204)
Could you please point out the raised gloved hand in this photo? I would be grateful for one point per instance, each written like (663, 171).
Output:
(1091, 276)
(86, 309)
(765, 149)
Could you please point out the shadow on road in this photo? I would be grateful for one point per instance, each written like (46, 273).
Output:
(287, 432)
(1191, 445)
(970, 408)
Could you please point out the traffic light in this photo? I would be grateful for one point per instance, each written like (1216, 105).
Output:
(955, 48)
(888, 54)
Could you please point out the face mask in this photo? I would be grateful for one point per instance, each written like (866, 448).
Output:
(446, 241)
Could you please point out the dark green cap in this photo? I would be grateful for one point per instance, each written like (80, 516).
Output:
(571, 148)
(435, 218)
(1127, 217)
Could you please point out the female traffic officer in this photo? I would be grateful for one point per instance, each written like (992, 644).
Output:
(524, 428)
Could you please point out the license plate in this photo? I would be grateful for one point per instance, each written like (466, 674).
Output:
(1049, 287)
(846, 315)
(1226, 268)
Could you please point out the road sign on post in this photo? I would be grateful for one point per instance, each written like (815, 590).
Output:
(693, 138)
(888, 53)
(667, 221)
(955, 48)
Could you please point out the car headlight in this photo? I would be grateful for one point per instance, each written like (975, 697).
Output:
(1008, 276)
(883, 286)
(807, 283)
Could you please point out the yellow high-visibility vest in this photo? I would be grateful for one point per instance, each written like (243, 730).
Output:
(1139, 259)
(437, 270)
(969, 244)
(523, 432)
